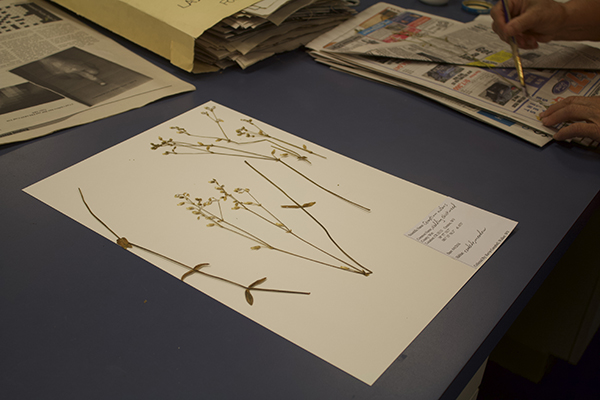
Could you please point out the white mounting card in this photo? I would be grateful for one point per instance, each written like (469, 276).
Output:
(311, 220)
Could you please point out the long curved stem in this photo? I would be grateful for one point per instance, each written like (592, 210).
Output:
(124, 243)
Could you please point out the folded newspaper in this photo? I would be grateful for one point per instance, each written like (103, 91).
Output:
(464, 66)
(209, 35)
(56, 72)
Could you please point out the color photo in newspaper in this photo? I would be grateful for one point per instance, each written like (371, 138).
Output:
(494, 90)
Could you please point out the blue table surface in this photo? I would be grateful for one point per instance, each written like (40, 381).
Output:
(81, 318)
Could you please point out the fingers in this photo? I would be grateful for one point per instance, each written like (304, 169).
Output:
(533, 21)
(511, 25)
(579, 129)
(516, 26)
(573, 109)
(522, 23)
(526, 42)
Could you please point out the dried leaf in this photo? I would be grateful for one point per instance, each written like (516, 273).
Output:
(305, 205)
(249, 297)
(187, 274)
(258, 282)
(194, 270)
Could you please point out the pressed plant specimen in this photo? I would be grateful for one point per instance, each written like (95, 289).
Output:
(212, 211)
(252, 143)
(248, 147)
(197, 269)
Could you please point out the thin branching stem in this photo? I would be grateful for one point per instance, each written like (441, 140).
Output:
(263, 133)
(215, 119)
(200, 209)
(367, 271)
(280, 224)
(284, 147)
(124, 243)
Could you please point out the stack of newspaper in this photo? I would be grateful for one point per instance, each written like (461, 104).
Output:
(464, 66)
(209, 35)
(269, 27)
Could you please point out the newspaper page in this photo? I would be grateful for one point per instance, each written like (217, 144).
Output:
(524, 132)
(494, 90)
(56, 72)
(390, 31)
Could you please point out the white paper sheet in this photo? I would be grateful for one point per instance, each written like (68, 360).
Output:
(358, 323)
(463, 232)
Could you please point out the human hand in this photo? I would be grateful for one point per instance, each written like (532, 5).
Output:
(571, 109)
(532, 21)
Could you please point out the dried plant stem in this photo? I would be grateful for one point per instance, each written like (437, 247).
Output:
(365, 270)
(323, 188)
(263, 133)
(208, 149)
(223, 224)
(201, 148)
(216, 120)
(200, 209)
(285, 148)
(281, 225)
(244, 131)
(124, 243)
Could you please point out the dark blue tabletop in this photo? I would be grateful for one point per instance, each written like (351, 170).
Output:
(82, 318)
